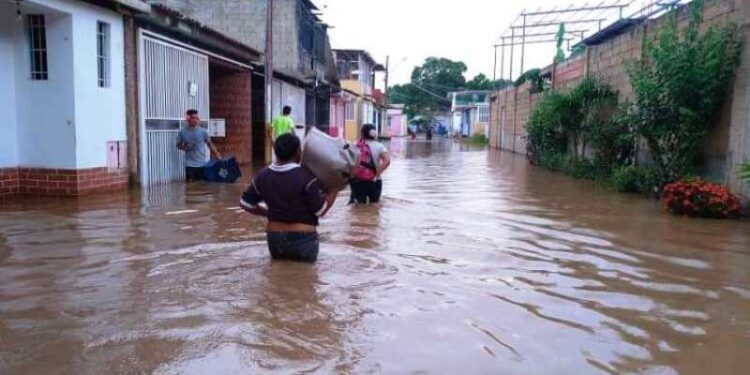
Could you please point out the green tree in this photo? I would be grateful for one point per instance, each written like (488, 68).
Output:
(591, 103)
(573, 118)
(440, 75)
(409, 95)
(429, 87)
(679, 87)
(480, 82)
(560, 38)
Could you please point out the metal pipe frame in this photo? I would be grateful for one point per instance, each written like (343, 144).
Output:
(582, 9)
(593, 20)
(532, 42)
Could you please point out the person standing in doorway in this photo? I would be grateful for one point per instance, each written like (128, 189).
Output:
(193, 140)
(294, 201)
(366, 185)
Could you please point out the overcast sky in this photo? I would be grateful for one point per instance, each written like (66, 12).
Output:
(412, 30)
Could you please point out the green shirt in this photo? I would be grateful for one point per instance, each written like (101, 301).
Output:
(282, 125)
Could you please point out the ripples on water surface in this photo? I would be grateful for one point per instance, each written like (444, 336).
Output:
(475, 263)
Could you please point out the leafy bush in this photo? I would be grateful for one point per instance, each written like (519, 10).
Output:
(614, 141)
(589, 107)
(575, 117)
(581, 168)
(479, 140)
(679, 86)
(571, 166)
(745, 172)
(531, 75)
(699, 198)
(553, 162)
(635, 179)
(545, 132)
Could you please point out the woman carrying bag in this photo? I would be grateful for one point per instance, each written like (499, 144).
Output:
(374, 160)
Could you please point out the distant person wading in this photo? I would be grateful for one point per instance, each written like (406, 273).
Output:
(193, 140)
(366, 185)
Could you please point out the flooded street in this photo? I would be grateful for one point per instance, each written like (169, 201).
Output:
(475, 263)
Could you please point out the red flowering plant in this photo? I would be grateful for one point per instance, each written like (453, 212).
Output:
(695, 197)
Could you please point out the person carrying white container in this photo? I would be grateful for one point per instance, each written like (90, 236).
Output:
(294, 200)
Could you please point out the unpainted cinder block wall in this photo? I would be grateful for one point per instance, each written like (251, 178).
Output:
(728, 144)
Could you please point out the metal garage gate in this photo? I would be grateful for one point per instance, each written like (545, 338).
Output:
(173, 80)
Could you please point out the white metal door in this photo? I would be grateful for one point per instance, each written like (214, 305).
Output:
(173, 80)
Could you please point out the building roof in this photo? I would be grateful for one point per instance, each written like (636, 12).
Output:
(469, 92)
(366, 55)
(618, 27)
(138, 5)
(310, 4)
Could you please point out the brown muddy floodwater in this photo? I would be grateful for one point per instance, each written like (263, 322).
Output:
(475, 263)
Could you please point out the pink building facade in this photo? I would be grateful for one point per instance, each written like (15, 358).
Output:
(397, 121)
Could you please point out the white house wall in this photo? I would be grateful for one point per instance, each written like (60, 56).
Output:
(100, 111)
(286, 94)
(8, 128)
(45, 109)
(65, 121)
(365, 75)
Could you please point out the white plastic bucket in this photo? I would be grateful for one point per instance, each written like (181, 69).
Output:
(330, 159)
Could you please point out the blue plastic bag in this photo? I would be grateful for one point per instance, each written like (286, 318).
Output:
(224, 170)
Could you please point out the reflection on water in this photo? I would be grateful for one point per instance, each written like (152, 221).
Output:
(474, 263)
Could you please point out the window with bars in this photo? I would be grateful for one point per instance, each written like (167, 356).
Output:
(484, 114)
(350, 111)
(102, 53)
(37, 47)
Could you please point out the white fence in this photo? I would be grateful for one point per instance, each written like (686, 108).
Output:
(173, 80)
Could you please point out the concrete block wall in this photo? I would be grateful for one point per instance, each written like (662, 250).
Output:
(728, 143)
(494, 129)
(738, 116)
(568, 73)
(231, 100)
(608, 61)
(245, 21)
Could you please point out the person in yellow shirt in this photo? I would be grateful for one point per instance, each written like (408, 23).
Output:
(281, 125)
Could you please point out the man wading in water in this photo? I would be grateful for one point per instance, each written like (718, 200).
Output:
(294, 199)
(193, 141)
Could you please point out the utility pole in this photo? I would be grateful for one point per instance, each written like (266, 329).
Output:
(494, 71)
(387, 62)
(269, 74)
(523, 43)
(502, 60)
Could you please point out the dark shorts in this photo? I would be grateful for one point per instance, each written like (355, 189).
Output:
(300, 247)
(195, 173)
(365, 192)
